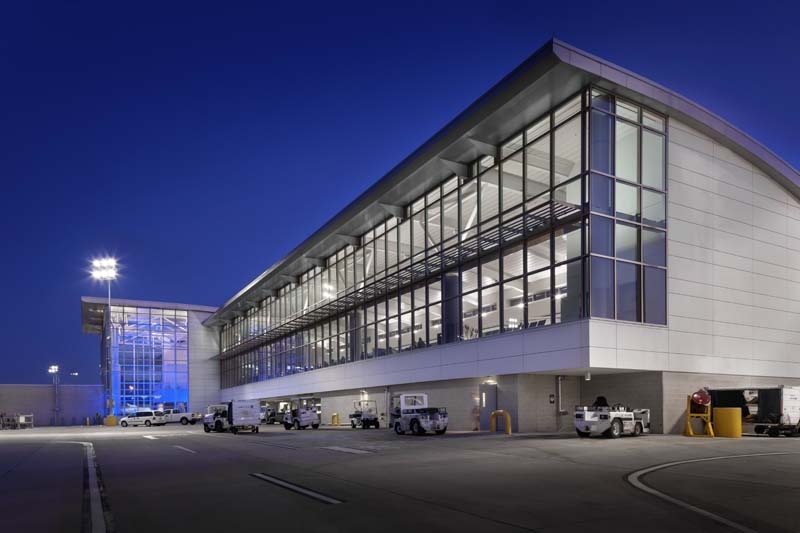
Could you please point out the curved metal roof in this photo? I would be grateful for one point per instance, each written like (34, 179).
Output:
(548, 77)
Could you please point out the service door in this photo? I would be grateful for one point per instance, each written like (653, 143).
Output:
(487, 396)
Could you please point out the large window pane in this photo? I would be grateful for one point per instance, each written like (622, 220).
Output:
(601, 231)
(628, 290)
(470, 312)
(539, 298)
(469, 279)
(567, 159)
(602, 131)
(490, 194)
(512, 262)
(537, 167)
(627, 241)
(513, 304)
(469, 204)
(490, 311)
(653, 159)
(435, 324)
(654, 247)
(626, 151)
(567, 242)
(490, 271)
(627, 201)
(569, 291)
(537, 251)
(655, 295)
(602, 282)
(654, 208)
(512, 181)
(570, 193)
(602, 194)
(450, 215)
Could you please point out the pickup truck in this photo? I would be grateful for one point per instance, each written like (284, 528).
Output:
(176, 415)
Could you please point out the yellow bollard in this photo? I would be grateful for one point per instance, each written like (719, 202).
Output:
(728, 422)
(493, 421)
(87, 421)
(335, 420)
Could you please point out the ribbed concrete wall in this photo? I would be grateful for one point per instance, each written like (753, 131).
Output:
(76, 402)
(203, 371)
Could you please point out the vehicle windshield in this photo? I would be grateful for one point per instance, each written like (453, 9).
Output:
(159, 413)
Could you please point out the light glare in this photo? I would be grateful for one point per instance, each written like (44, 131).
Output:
(104, 269)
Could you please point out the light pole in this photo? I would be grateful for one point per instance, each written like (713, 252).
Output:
(53, 371)
(105, 269)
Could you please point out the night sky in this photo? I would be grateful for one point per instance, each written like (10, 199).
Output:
(201, 143)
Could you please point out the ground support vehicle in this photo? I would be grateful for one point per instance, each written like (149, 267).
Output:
(233, 416)
(300, 418)
(365, 414)
(413, 414)
(143, 418)
(773, 411)
(268, 415)
(176, 415)
(611, 422)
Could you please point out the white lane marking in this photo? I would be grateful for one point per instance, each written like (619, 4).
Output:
(634, 479)
(298, 489)
(95, 503)
(149, 437)
(345, 450)
(184, 449)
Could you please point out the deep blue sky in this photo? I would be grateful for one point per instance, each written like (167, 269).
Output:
(200, 144)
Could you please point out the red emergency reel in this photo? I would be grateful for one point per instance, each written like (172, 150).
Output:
(701, 397)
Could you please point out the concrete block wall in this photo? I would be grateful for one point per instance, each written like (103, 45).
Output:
(635, 389)
(76, 402)
(203, 370)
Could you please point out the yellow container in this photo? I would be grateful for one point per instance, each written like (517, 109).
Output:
(728, 422)
(110, 420)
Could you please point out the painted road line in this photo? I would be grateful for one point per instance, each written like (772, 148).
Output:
(149, 437)
(345, 450)
(634, 479)
(96, 512)
(298, 489)
(184, 449)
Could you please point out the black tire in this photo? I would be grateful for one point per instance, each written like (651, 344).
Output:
(441, 431)
(352, 424)
(287, 426)
(615, 430)
(582, 434)
(377, 425)
(416, 427)
(218, 426)
(123, 424)
(637, 429)
(297, 424)
(255, 429)
(774, 432)
(184, 421)
(147, 423)
(193, 422)
(364, 424)
(271, 421)
(206, 428)
(398, 429)
(234, 430)
(314, 426)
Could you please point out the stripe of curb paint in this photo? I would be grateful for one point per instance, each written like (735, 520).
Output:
(634, 479)
(184, 449)
(345, 450)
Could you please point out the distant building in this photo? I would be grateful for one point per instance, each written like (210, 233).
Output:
(153, 354)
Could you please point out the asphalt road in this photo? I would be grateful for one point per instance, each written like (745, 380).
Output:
(181, 479)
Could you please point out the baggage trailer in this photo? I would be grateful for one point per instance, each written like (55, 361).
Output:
(773, 411)
(234, 416)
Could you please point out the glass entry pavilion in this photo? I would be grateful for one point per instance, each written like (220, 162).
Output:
(564, 219)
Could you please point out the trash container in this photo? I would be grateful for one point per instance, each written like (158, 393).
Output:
(728, 422)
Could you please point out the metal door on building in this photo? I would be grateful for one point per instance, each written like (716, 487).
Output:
(487, 396)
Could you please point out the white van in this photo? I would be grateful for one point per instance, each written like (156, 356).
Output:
(144, 418)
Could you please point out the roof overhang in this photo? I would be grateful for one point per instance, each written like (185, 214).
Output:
(548, 77)
(93, 310)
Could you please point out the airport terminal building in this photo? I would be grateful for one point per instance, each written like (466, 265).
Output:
(578, 230)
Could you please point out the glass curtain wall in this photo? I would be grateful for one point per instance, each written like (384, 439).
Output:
(149, 359)
(502, 249)
(628, 185)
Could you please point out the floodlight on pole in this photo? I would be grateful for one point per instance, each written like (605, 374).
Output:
(105, 269)
(53, 369)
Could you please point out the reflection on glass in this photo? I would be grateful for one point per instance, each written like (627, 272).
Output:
(626, 239)
(601, 231)
(567, 160)
(652, 159)
(628, 290)
(539, 298)
(602, 194)
(537, 167)
(627, 201)
(655, 295)
(654, 247)
(626, 151)
(602, 280)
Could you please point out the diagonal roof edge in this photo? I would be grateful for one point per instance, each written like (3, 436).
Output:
(550, 55)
